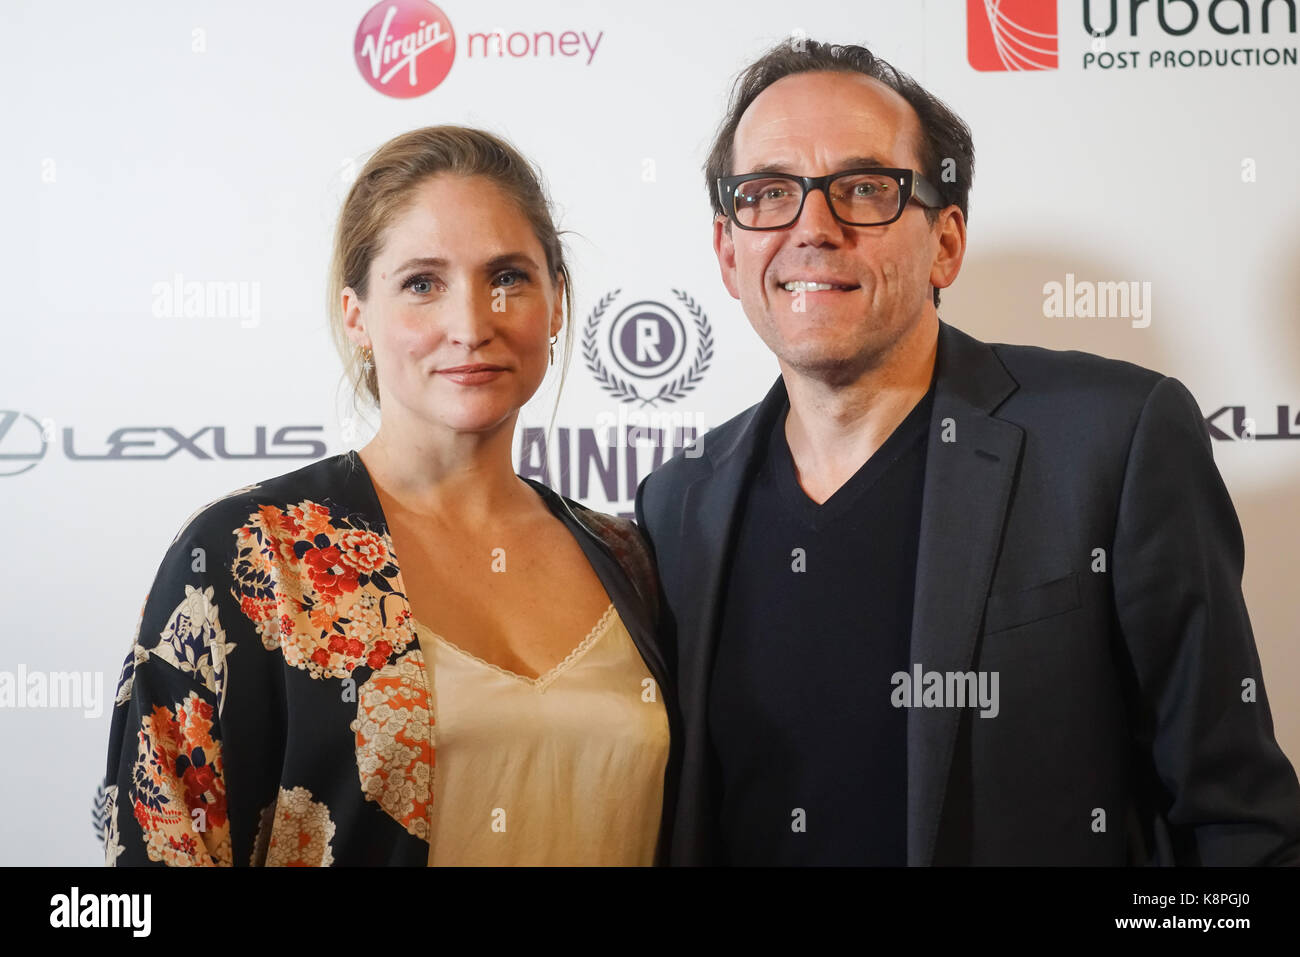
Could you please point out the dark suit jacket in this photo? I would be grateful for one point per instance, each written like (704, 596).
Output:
(1121, 690)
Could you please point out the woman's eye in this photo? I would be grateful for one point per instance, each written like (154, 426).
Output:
(423, 285)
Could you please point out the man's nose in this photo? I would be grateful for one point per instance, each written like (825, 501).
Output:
(816, 224)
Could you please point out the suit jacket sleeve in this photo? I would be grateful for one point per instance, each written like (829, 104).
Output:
(1231, 795)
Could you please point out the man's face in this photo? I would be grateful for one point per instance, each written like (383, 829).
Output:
(811, 124)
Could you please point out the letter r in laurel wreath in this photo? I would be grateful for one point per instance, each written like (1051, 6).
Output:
(647, 341)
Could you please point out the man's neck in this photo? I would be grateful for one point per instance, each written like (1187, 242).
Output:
(834, 428)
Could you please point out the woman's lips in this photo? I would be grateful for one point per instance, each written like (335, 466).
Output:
(472, 375)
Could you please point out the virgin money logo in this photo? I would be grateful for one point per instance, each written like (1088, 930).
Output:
(405, 48)
(1011, 34)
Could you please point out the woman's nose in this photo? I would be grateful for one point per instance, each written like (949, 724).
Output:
(472, 319)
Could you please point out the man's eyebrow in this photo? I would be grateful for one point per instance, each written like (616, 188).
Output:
(514, 258)
(853, 162)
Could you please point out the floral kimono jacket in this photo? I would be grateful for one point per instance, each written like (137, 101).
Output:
(274, 707)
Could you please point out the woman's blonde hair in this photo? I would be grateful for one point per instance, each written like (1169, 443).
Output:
(384, 189)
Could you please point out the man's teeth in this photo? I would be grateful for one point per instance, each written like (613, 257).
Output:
(800, 286)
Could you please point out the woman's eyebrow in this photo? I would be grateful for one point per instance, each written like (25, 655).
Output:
(517, 258)
(421, 262)
(514, 258)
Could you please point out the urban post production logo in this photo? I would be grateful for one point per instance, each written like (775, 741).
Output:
(647, 343)
(1011, 34)
(404, 48)
(1015, 35)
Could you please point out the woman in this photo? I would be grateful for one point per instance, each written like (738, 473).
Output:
(297, 694)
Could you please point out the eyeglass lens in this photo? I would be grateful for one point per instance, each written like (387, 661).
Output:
(863, 199)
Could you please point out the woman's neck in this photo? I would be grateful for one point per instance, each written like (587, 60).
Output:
(461, 478)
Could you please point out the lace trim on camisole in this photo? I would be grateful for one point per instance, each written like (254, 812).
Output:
(598, 630)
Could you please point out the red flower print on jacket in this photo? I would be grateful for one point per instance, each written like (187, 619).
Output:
(320, 587)
(178, 748)
(328, 573)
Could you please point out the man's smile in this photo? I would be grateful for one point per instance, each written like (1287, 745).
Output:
(804, 285)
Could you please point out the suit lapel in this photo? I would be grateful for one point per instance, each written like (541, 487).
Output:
(970, 467)
(711, 508)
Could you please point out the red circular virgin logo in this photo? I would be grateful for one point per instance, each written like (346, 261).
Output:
(405, 48)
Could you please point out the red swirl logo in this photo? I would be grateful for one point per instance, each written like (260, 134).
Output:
(1011, 34)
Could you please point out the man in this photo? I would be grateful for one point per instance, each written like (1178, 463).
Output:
(937, 601)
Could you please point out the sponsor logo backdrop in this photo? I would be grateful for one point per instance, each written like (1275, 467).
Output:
(172, 173)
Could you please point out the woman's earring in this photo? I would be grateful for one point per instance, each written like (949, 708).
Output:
(554, 339)
(367, 361)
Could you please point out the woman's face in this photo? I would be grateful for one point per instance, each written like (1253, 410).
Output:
(460, 309)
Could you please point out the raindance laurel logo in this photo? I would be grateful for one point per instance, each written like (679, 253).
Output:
(647, 341)
(404, 48)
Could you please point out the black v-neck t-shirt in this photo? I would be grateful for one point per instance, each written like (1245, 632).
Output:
(817, 616)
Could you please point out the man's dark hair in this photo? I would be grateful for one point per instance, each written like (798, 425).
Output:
(943, 134)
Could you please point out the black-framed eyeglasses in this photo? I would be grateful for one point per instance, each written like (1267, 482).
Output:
(872, 196)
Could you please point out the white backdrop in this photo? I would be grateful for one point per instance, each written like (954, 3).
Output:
(151, 146)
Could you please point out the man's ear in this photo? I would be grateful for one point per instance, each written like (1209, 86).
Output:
(950, 250)
(725, 250)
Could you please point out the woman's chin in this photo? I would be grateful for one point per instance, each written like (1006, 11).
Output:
(475, 419)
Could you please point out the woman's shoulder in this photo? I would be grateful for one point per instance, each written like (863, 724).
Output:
(621, 536)
(619, 533)
(332, 486)
(629, 547)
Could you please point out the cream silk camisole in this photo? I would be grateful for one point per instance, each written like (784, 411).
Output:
(564, 769)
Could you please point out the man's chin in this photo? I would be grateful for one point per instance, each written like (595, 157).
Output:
(830, 367)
